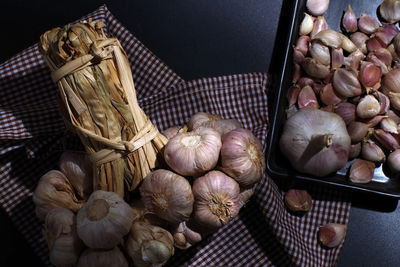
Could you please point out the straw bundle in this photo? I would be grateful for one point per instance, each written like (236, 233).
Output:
(98, 101)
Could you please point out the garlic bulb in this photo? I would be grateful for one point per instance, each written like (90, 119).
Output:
(242, 157)
(216, 122)
(61, 236)
(149, 245)
(216, 199)
(174, 130)
(317, 7)
(102, 258)
(199, 118)
(104, 220)
(315, 141)
(53, 191)
(332, 234)
(194, 152)
(168, 195)
(78, 169)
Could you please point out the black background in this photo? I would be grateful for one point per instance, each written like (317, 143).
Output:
(198, 39)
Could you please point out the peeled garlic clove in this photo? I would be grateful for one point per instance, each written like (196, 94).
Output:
(197, 119)
(353, 60)
(368, 107)
(104, 220)
(216, 199)
(320, 24)
(328, 95)
(386, 33)
(149, 245)
(242, 157)
(78, 169)
(370, 74)
(346, 111)
(298, 200)
(390, 10)
(355, 150)
(317, 7)
(54, 191)
(315, 69)
(332, 234)
(102, 258)
(368, 24)
(360, 40)
(394, 161)
(372, 152)
(193, 153)
(307, 98)
(320, 53)
(346, 83)
(168, 195)
(174, 130)
(388, 125)
(362, 171)
(386, 139)
(357, 131)
(337, 58)
(62, 238)
(349, 20)
(306, 24)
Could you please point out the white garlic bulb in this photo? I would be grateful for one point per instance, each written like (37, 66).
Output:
(102, 258)
(216, 122)
(199, 118)
(54, 191)
(168, 195)
(78, 169)
(104, 220)
(193, 153)
(149, 245)
(61, 236)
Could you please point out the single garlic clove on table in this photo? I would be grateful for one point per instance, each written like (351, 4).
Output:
(332, 234)
(298, 200)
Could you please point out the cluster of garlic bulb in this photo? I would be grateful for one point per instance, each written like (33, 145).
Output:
(353, 74)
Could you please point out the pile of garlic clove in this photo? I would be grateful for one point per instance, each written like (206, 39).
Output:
(211, 171)
(353, 74)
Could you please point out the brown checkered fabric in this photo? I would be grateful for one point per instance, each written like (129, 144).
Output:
(32, 136)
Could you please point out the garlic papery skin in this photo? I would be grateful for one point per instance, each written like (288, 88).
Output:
(149, 245)
(298, 200)
(362, 171)
(368, 107)
(174, 130)
(246, 194)
(306, 24)
(349, 20)
(332, 234)
(390, 10)
(168, 195)
(102, 258)
(346, 83)
(317, 7)
(355, 150)
(104, 220)
(394, 161)
(54, 191)
(78, 169)
(62, 238)
(315, 141)
(197, 119)
(193, 153)
(216, 199)
(242, 157)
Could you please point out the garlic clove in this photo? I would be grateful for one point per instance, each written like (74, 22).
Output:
(386, 139)
(292, 94)
(306, 24)
(302, 44)
(307, 98)
(384, 55)
(346, 111)
(386, 33)
(394, 100)
(372, 152)
(368, 24)
(390, 10)
(296, 75)
(393, 116)
(394, 161)
(337, 58)
(374, 44)
(328, 108)
(391, 82)
(298, 56)
(184, 237)
(362, 171)
(355, 150)
(332, 234)
(315, 69)
(305, 81)
(329, 38)
(317, 87)
(168, 195)
(383, 101)
(357, 131)
(353, 60)
(368, 107)
(328, 95)
(317, 7)
(346, 83)
(216, 199)
(298, 200)
(396, 44)
(370, 74)
(174, 130)
(372, 122)
(375, 60)
(388, 125)
(320, 24)
(360, 40)
(102, 258)
(320, 53)
(349, 20)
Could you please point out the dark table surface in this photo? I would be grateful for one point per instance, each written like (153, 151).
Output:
(198, 39)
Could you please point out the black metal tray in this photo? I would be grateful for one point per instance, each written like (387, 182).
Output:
(384, 183)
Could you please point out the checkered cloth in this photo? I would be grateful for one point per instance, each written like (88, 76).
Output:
(32, 134)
